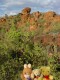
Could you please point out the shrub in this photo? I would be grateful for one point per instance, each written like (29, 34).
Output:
(18, 48)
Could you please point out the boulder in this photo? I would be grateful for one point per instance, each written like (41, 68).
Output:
(49, 15)
(36, 15)
(26, 10)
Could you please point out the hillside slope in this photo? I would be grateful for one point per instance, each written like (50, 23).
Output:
(45, 25)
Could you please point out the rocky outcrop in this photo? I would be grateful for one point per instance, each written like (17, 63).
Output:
(35, 21)
(27, 17)
(24, 15)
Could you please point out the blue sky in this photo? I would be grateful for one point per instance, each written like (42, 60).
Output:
(12, 7)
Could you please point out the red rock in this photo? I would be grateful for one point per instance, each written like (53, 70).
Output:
(36, 15)
(2, 20)
(33, 27)
(32, 21)
(47, 39)
(49, 15)
(58, 39)
(25, 17)
(26, 10)
(57, 18)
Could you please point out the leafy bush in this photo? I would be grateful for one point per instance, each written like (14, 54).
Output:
(55, 27)
(17, 48)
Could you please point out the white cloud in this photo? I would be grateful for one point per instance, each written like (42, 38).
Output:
(46, 2)
(12, 13)
(9, 3)
(43, 2)
(14, 3)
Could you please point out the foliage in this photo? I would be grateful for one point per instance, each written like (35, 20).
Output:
(55, 27)
(17, 48)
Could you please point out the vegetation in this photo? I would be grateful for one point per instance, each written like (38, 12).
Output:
(55, 27)
(17, 47)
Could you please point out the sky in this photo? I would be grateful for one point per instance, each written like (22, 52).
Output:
(12, 7)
